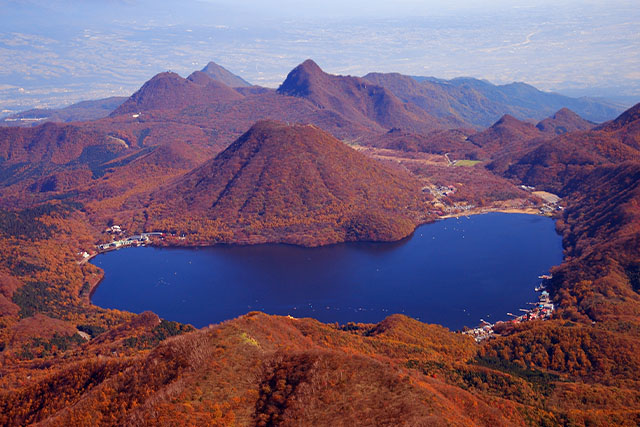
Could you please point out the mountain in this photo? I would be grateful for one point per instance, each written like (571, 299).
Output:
(479, 103)
(564, 121)
(222, 75)
(554, 162)
(628, 122)
(357, 100)
(506, 135)
(169, 91)
(81, 111)
(289, 183)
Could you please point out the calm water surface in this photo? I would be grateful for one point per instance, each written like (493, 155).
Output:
(453, 272)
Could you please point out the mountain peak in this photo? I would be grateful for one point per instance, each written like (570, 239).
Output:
(506, 134)
(564, 112)
(357, 99)
(221, 74)
(563, 121)
(167, 75)
(300, 80)
(310, 66)
(507, 120)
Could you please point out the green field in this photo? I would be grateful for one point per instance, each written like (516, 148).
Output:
(467, 162)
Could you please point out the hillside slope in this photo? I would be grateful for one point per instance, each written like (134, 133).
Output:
(554, 162)
(290, 183)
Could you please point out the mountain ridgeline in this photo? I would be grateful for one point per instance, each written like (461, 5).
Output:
(356, 99)
(481, 103)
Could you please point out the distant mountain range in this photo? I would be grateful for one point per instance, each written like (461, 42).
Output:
(480, 103)
(197, 117)
(377, 101)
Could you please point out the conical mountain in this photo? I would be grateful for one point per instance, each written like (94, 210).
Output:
(289, 183)
(169, 91)
(221, 74)
(506, 135)
(563, 121)
(356, 99)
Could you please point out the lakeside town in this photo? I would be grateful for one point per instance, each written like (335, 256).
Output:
(135, 240)
(542, 310)
(118, 241)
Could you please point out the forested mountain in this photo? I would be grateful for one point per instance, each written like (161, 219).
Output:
(290, 183)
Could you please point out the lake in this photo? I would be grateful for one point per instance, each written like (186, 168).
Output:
(453, 272)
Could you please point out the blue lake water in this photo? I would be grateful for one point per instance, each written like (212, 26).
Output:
(453, 272)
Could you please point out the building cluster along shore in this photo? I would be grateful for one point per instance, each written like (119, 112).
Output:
(121, 242)
(542, 310)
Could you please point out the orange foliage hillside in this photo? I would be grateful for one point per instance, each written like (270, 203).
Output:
(289, 183)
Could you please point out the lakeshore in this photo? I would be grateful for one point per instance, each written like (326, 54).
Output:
(352, 282)
(542, 310)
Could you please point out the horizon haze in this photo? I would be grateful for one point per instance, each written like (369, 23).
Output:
(55, 54)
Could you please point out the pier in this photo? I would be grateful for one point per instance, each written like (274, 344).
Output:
(542, 310)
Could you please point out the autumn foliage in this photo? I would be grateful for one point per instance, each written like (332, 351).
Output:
(186, 165)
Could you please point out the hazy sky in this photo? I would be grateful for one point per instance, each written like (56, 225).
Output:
(57, 52)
